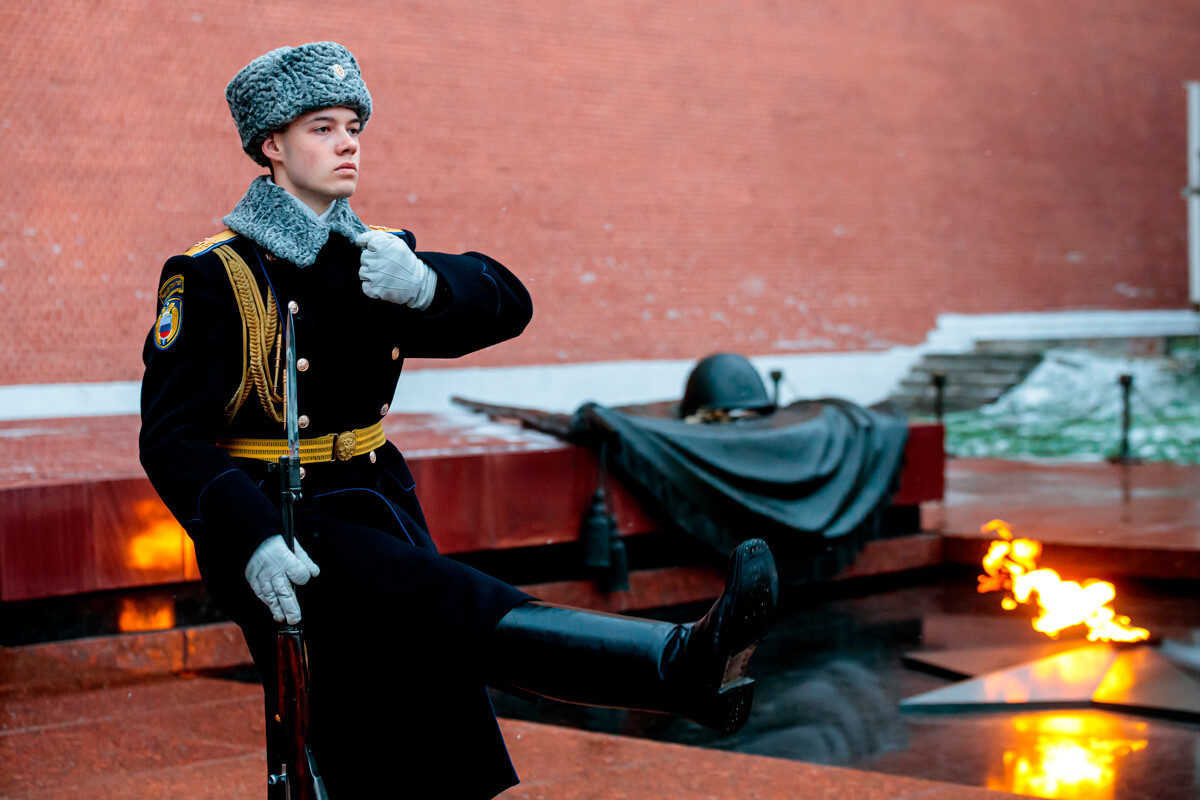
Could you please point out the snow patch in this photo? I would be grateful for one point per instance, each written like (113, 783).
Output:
(1070, 407)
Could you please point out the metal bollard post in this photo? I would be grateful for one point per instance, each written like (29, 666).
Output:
(1126, 382)
(939, 394)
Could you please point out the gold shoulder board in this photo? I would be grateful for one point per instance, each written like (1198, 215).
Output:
(204, 245)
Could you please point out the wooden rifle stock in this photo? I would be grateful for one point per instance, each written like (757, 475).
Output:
(298, 768)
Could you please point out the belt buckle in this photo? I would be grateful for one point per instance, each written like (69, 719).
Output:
(344, 445)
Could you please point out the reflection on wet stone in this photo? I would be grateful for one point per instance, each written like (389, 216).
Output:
(849, 716)
(832, 674)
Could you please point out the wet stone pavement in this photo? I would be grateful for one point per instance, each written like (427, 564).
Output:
(72, 730)
(830, 678)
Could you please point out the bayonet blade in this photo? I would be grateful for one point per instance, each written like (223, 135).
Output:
(291, 412)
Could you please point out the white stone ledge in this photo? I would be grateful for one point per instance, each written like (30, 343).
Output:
(862, 377)
(957, 333)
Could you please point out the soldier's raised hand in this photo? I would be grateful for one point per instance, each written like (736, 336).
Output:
(273, 569)
(390, 271)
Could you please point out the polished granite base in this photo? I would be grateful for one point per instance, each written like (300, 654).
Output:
(70, 732)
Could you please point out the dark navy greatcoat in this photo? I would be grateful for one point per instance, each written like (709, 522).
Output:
(394, 630)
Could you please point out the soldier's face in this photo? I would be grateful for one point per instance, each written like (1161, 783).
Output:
(316, 156)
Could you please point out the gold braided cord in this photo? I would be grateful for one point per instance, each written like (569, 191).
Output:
(260, 327)
(270, 393)
(246, 307)
(242, 392)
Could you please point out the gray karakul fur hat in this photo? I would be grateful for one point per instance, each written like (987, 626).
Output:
(279, 86)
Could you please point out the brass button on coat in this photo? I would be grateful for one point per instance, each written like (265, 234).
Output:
(303, 421)
(372, 456)
(303, 472)
(302, 364)
(395, 353)
(383, 411)
(294, 307)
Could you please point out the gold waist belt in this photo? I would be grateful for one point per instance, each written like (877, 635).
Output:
(333, 447)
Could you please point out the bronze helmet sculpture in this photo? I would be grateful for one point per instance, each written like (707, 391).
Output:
(724, 381)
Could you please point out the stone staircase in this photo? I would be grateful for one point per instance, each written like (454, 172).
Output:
(972, 379)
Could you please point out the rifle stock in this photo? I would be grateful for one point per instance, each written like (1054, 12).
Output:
(298, 768)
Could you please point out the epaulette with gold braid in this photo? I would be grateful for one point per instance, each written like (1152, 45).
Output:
(397, 231)
(204, 245)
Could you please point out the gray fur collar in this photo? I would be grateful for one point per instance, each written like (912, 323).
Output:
(270, 217)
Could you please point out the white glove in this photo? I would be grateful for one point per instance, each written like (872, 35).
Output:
(391, 272)
(272, 570)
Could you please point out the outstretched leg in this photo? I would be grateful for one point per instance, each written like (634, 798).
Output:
(592, 658)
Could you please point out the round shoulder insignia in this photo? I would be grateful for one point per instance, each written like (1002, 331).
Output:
(170, 319)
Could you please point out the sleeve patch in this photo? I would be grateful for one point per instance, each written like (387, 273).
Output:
(171, 286)
(170, 317)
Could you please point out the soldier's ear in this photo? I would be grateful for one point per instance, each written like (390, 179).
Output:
(271, 149)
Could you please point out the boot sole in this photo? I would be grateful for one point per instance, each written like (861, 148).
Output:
(755, 614)
(759, 613)
(728, 709)
(729, 706)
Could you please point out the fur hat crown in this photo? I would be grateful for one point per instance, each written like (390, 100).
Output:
(286, 83)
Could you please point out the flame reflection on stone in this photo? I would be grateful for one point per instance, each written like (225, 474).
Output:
(1138, 679)
(159, 544)
(1072, 675)
(146, 614)
(1120, 678)
(1066, 756)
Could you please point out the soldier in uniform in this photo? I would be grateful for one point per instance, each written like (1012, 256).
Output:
(401, 640)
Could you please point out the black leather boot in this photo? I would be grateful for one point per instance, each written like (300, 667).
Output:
(592, 658)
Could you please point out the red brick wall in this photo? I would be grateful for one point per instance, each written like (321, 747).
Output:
(670, 178)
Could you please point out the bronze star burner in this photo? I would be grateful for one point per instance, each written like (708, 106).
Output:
(1135, 678)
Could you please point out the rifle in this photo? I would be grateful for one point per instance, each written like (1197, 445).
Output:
(603, 549)
(561, 425)
(294, 768)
